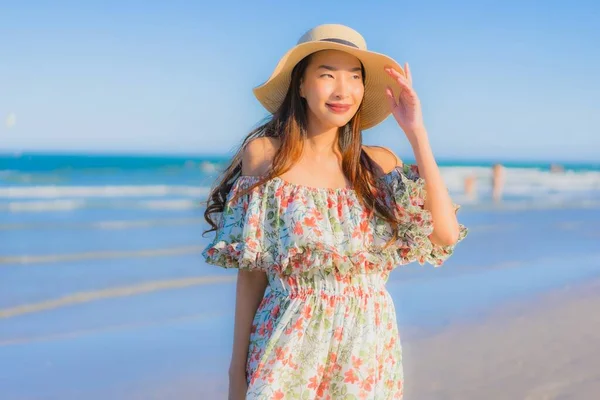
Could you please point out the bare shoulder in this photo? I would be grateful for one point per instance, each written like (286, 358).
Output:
(258, 155)
(385, 158)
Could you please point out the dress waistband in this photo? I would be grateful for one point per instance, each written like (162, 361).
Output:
(352, 285)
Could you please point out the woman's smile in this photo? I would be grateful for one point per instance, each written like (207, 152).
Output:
(338, 108)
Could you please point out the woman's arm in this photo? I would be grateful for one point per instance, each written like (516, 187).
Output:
(438, 202)
(250, 289)
(251, 285)
(407, 111)
(445, 225)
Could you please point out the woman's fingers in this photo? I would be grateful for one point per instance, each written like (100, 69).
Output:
(391, 99)
(400, 78)
(408, 73)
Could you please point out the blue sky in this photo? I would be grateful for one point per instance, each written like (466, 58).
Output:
(498, 79)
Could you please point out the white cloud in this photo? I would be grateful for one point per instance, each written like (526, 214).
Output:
(11, 120)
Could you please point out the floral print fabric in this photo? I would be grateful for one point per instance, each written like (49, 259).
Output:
(326, 327)
(326, 338)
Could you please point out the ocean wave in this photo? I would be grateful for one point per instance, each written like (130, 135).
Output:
(112, 224)
(169, 204)
(57, 192)
(524, 181)
(37, 206)
(27, 259)
(527, 187)
(132, 224)
(190, 204)
(518, 181)
(74, 204)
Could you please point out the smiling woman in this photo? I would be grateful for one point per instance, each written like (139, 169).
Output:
(332, 71)
(315, 222)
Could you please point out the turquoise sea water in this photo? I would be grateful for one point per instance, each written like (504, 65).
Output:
(37, 162)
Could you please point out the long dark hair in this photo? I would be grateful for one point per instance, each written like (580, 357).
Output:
(289, 125)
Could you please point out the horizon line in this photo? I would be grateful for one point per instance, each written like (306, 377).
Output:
(175, 154)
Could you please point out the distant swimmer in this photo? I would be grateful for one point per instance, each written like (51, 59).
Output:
(498, 178)
(556, 168)
(471, 186)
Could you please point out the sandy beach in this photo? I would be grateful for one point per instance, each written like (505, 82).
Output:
(546, 349)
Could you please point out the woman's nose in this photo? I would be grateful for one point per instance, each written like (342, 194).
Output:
(341, 90)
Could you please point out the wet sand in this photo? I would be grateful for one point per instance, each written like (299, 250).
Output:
(548, 349)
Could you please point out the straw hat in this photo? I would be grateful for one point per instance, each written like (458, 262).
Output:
(375, 107)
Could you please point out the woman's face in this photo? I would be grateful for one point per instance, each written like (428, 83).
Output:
(333, 88)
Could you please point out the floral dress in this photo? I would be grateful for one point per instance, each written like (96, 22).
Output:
(326, 327)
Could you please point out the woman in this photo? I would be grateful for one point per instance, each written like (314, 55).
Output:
(315, 221)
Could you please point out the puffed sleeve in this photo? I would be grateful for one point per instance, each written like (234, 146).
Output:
(405, 194)
(238, 241)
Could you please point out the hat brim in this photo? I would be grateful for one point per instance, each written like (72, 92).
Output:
(375, 106)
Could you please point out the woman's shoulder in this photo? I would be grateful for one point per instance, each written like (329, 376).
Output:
(257, 155)
(384, 158)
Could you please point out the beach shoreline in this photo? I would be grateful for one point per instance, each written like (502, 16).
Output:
(545, 348)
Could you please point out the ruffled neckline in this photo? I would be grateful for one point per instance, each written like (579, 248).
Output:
(292, 229)
(324, 190)
(282, 182)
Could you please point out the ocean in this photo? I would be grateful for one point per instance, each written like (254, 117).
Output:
(104, 294)
(57, 182)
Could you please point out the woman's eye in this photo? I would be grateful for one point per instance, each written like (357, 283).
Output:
(356, 76)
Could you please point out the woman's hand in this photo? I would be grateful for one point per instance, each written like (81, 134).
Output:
(407, 107)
